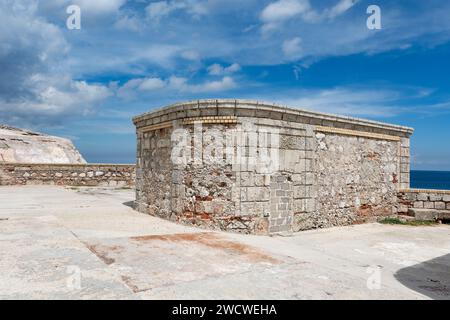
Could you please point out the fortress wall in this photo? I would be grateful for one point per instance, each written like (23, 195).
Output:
(106, 175)
(434, 201)
(356, 180)
(260, 168)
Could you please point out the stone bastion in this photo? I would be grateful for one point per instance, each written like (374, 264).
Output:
(254, 167)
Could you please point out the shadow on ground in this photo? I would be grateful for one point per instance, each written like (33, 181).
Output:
(129, 204)
(430, 278)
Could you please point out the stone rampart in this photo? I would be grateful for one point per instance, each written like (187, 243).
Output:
(106, 175)
(425, 204)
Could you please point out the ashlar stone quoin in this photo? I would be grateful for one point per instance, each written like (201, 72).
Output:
(254, 167)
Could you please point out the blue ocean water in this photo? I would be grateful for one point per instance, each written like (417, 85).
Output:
(430, 179)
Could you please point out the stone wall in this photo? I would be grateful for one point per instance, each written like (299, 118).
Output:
(260, 168)
(356, 180)
(423, 199)
(107, 175)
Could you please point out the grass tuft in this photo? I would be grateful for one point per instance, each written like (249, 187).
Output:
(414, 223)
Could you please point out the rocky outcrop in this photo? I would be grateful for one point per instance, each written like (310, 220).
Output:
(22, 146)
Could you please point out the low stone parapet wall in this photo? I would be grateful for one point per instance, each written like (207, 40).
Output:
(105, 175)
(423, 199)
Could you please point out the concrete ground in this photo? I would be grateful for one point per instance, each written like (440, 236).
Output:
(88, 243)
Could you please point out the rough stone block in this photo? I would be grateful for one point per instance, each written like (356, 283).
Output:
(439, 205)
(421, 196)
(435, 197)
(423, 214)
(418, 204)
(428, 205)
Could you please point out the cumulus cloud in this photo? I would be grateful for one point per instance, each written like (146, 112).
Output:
(181, 84)
(130, 23)
(218, 70)
(292, 48)
(190, 55)
(225, 83)
(99, 6)
(151, 84)
(352, 101)
(158, 10)
(341, 7)
(89, 8)
(132, 87)
(33, 47)
(34, 84)
(284, 9)
(174, 84)
(274, 14)
(54, 102)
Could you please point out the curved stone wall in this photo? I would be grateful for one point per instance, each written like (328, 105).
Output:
(255, 167)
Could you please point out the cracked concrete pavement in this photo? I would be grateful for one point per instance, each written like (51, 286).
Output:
(88, 243)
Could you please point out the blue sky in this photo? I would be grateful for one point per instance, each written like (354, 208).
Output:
(132, 56)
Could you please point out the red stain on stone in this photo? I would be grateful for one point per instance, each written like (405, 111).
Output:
(394, 178)
(207, 198)
(373, 155)
(102, 252)
(130, 284)
(211, 240)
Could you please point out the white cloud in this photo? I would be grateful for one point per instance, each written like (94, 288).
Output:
(161, 54)
(173, 84)
(35, 84)
(54, 100)
(218, 70)
(71, 96)
(276, 13)
(190, 55)
(158, 10)
(129, 23)
(99, 6)
(233, 68)
(284, 9)
(225, 83)
(341, 7)
(151, 84)
(292, 48)
(181, 84)
(350, 101)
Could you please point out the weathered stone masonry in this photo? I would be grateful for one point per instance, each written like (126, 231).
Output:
(330, 170)
(104, 175)
(425, 204)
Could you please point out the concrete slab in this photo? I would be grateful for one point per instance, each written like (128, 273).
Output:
(88, 243)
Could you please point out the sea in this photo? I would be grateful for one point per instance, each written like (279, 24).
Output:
(430, 179)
